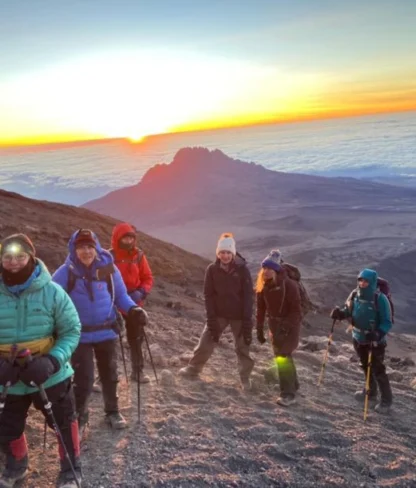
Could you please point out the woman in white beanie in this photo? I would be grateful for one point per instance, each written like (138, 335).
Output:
(228, 291)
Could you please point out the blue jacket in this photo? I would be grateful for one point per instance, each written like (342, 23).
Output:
(92, 297)
(368, 309)
(36, 310)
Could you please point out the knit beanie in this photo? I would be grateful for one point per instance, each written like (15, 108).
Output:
(226, 243)
(16, 243)
(85, 236)
(273, 260)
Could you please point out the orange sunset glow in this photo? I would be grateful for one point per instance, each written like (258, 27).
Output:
(334, 63)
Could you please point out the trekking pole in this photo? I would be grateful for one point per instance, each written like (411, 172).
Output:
(368, 379)
(47, 405)
(45, 430)
(138, 346)
(150, 355)
(123, 357)
(321, 376)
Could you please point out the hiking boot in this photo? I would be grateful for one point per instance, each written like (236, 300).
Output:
(383, 408)
(246, 384)
(116, 420)
(189, 372)
(16, 462)
(360, 396)
(12, 476)
(286, 401)
(66, 479)
(144, 378)
(96, 387)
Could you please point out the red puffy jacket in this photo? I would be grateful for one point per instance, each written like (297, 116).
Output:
(132, 264)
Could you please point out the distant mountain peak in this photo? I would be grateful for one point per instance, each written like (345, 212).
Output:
(198, 160)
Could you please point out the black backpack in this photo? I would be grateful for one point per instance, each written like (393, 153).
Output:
(72, 279)
(294, 274)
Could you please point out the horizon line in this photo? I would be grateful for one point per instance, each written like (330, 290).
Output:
(99, 140)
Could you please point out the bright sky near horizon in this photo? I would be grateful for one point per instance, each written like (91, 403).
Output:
(97, 68)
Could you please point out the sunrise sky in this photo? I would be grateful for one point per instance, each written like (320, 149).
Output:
(85, 69)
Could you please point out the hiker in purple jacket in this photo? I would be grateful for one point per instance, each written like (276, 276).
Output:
(96, 288)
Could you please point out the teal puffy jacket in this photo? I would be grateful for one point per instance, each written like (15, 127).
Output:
(42, 310)
(367, 308)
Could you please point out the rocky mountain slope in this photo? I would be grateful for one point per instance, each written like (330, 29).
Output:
(330, 227)
(208, 433)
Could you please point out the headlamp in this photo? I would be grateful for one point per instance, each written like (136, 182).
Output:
(13, 248)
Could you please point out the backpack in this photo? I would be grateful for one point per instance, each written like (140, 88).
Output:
(118, 326)
(72, 279)
(383, 287)
(294, 274)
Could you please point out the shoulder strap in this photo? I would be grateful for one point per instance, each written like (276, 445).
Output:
(71, 281)
(110, 285)
(376, 298)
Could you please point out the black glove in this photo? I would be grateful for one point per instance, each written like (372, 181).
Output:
(337, 314)
(138, 295)
(214, 330)
(247, 333)
(260, 335)
(374, 336)
(9, 372)
(40, 369)
(138, 315)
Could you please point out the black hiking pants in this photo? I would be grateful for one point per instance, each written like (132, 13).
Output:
(135, 338)
(378, 370)
(13, 423)
(83, 364)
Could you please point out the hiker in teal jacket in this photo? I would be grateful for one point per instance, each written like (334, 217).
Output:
(36, 315)
(371, 317)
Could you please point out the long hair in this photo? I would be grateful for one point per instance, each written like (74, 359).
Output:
(261, 280)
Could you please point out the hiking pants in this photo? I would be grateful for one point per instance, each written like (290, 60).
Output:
(13, 422)
(135, 339)
(206, 345)
(83, 364)
(378, 370)
(288, 377)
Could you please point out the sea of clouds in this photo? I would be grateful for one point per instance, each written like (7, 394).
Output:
(381, 148)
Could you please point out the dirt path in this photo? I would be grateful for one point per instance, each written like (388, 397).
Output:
(209, 433)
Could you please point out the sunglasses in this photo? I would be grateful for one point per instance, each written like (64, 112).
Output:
(20, 258)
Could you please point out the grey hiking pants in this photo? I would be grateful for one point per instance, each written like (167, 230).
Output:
(206, 345)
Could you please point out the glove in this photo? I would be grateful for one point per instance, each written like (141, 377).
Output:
(9, 372)
(247, 333)
(137, 315)
(138, 295)
(39, 370)
(337, 314)
(374, 336)
(214, 330)
(260, 335)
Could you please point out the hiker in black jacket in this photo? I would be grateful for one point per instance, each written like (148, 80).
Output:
(228, 291)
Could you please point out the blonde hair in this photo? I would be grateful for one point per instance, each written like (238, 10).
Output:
(261, 280)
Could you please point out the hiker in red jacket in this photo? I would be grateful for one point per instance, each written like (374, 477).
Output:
(138, 278)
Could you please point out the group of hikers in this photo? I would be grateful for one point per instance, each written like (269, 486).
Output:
(52, 328)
